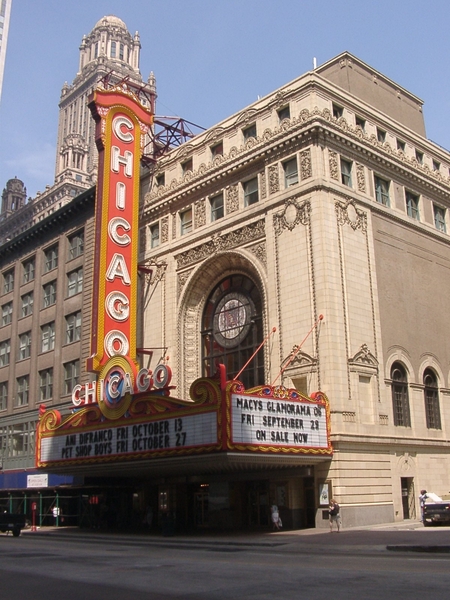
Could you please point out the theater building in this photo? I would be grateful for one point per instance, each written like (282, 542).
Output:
(323, 198)
(259, 327)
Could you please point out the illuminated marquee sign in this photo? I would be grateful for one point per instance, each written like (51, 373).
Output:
(278, 419)
(122, 122)
(128, 441)
(153, 426)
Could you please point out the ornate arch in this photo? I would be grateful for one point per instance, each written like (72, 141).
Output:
(192, 302)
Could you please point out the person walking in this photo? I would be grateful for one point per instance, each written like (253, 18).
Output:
(422, 499)
(334, 515)
(276, 521)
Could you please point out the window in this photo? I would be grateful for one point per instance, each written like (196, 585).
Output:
(186, 221)
(284, 113)
(27, 304)
(217, 208)
(412, 206)
(217, 150)
(187, 166)
(73, 327)
(382, 191)
(3, 397)
(419, 157)
(381, 135)
(360, 122)
(121, 51)
(23, 386)
(161, 179)
(24, 345)
(7, 310)
(75, 282)
(45, 384)
(250, 191)
(249, 132)
(338, 111)
(71, 375)
(436, 165)
(28, 270)
(401, 145)
(51, 258)
(400, 399)
(113, 49)
(290, 172)
(49, 294)
(232, 330)
(8, 281)
(154, 235)
(439, 218)
(431, 396)
(346, 172)
(48, 337)
(5, 351)
(76, 245)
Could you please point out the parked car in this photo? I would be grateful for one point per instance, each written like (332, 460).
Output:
(435, 510)
(12, 522)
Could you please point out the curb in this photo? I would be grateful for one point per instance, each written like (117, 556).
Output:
(429, 549)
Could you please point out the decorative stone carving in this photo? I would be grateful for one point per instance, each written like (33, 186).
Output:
(218, 243)
(263, 190)
(174, 225)
(364, 360)
(259, 250)
(333, 161)
(200, 213)
(361, 178)
(292, 214)
(164, 229)
(304, 116)
(305, 164)
(349, 416)
(297, 358)
(274, 179)
(181, 280)
(348, 214)
(232, 198)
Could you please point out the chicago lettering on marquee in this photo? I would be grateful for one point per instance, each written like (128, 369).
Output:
(122, 122)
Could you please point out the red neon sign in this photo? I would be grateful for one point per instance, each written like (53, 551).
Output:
(122, 122)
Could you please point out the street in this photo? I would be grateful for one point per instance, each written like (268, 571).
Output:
(286, 567)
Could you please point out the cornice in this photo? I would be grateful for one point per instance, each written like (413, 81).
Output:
(289, 130)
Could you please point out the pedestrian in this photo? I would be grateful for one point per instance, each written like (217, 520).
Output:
(276, 521)
(334, 515)
(422, 499)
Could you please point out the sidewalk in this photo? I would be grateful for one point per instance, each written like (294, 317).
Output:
(404, 536)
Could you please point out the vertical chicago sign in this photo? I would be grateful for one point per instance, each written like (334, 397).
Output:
(121, 125)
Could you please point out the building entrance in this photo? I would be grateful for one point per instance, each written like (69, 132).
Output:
(408, 498)
(258, 504)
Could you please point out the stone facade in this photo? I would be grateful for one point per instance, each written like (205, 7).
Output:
(336, 235)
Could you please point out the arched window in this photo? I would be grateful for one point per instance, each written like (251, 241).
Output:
(232, 330)
(431, 395)
(113, 49)
(400, 400)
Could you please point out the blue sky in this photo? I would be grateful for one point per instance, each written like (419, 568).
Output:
(212, 58)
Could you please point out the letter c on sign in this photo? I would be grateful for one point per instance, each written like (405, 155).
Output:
(119, 239)
(118, 124)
